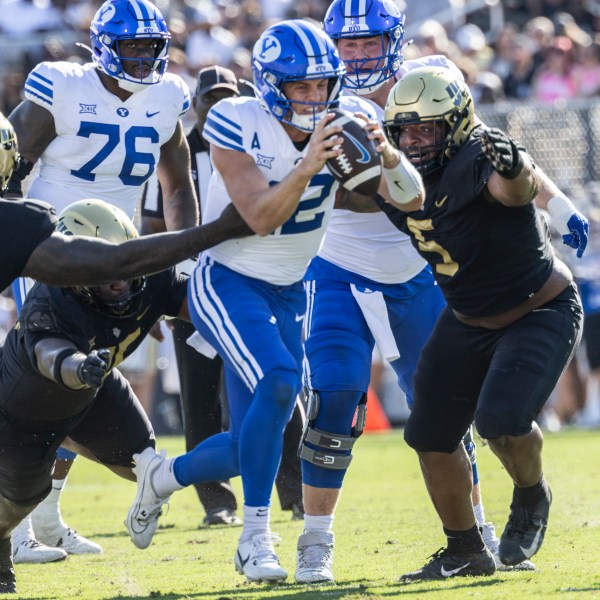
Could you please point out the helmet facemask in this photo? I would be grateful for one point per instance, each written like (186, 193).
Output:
(365, 81)
(120, 307)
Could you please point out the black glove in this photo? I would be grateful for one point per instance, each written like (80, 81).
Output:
(92, 370)
(502, 153)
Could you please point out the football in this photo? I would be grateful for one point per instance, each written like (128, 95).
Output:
(358, 167)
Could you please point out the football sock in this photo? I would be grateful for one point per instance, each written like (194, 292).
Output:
(528, 496)
(164, 481)
(46, 514)
(318, 522)
(464, 542)
(479, 513)
(256, 520)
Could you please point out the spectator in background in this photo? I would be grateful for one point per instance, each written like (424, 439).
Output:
(470, 40)
(541, 31)
(208, 43)
(12, 84)
(23, 17)
(554, 80)
(503, 44)
(587, 69)
(517, 84)
(433, 39)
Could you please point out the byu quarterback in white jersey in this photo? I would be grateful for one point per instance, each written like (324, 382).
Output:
(281, 257)
(104, 147)
(247, 299)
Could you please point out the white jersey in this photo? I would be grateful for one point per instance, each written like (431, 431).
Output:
(368, 244)
(281, 257)
(105, 147)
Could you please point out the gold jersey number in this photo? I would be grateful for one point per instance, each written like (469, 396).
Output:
(417, 227)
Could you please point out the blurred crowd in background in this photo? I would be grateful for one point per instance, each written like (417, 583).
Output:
(514, 49)
(509, 51)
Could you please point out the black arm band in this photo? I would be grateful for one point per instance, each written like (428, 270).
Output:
(14, 183)
(517, 167)
(58, 361)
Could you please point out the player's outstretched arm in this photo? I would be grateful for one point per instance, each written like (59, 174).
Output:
(401, 184)
(71, 260)
(568, 221)
(514, 181)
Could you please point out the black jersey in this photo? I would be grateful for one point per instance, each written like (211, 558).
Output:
(486, 257)
(53, 312)
(24, 225)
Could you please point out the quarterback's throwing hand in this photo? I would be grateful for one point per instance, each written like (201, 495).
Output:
(92, 370)
(502, 152)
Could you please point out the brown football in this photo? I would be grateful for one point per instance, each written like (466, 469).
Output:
(358, 167)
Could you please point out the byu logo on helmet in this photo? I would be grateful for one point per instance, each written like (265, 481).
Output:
(107, 12)
(270, 49)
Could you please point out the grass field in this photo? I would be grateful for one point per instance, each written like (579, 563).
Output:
(385, 526)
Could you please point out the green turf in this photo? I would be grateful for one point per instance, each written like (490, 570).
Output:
(385, 526)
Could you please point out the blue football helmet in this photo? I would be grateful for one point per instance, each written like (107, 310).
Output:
(295, 50)
(368, 18)
(118, 20)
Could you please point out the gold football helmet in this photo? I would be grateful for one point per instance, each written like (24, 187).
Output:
(96, 218)
(9, 154)
(431, 95)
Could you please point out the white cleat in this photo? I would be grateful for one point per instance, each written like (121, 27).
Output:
(68, 539)
(488, 533)
(256, 559)
(315, 557)
(142, 519)
(30, 551)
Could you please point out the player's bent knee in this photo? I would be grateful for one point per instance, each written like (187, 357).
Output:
(281, 387)
(421, 440)
(11, 514)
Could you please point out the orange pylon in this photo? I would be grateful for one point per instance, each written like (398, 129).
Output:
(377, 421)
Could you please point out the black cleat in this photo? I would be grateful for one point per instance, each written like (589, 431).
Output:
(8, 581)
(444, 565)
(221, 516)
(524, 533)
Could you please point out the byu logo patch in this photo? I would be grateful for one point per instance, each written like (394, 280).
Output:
(122, 112)
(87, 109)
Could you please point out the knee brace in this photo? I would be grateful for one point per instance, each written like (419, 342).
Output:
(329, 446)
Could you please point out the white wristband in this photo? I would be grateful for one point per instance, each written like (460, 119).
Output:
(561, 209)
(404, 182)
